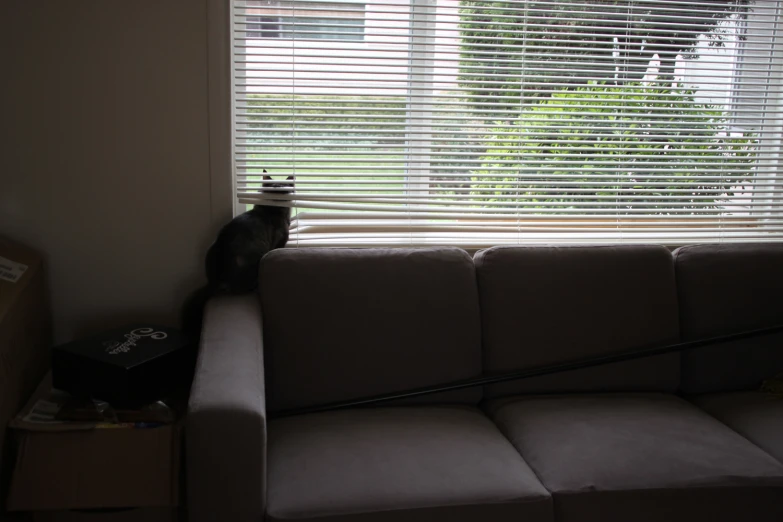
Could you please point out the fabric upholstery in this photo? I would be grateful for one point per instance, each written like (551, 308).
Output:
(349, 323)
(640, 457)
(226, 422)
(660, 372)
(542, 305)
(731, 366)
(725, 289)
(757, 416)
(729, 288)
(418, 463)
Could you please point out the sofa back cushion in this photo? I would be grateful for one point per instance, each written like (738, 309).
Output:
(341, 324)
(543, 305)
(726, 289)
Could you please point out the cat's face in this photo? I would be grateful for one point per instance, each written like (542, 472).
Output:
(278, 190)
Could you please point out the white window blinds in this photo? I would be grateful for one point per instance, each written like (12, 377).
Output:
(477, 123)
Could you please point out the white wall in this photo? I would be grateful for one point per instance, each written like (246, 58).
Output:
(105, 153)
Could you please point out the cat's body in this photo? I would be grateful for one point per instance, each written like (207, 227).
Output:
(232, 261)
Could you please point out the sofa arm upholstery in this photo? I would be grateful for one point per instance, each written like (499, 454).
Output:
(225, 429)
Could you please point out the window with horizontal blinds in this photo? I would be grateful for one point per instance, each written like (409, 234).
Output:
(477, 123)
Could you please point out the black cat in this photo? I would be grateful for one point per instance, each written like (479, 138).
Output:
(232, 260)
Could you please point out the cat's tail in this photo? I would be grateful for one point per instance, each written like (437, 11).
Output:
(192, 312)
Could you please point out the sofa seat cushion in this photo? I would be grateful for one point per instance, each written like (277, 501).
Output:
(641, 458)
(417, 463)
(757, 416)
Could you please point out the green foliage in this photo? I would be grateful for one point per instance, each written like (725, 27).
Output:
(490, 46)
(271, 118)
(644, 132)
(351, 130)
(529, 49)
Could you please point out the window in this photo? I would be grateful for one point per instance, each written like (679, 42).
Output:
(475, 123)
(263, 27)
(305, 21)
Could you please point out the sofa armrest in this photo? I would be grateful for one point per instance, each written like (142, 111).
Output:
(225, 429)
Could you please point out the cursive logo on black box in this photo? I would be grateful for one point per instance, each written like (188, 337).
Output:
(117, 347)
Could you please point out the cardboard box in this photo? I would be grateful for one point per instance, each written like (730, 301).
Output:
(83, 465)
(25, 338)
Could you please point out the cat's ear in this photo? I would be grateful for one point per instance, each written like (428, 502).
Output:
(290, 178)
(267, 178)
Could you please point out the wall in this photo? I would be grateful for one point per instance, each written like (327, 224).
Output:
(105, 153)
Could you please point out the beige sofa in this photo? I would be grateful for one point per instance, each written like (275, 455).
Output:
(676, 437)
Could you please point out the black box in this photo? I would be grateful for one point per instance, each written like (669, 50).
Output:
(127, 367)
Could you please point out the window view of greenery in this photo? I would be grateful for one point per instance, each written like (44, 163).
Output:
(646, 136)
(557, 108)
(638, 133)
(331, 141)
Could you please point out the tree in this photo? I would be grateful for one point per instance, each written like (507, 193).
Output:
(533, 48)
(626, 133)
